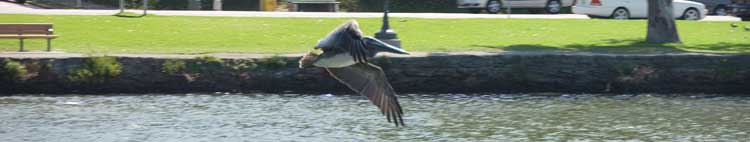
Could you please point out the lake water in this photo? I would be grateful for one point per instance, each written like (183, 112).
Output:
(445, 117)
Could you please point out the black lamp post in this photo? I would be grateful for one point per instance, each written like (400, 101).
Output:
(386, 34)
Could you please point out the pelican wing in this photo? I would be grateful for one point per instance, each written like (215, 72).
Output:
(369, 80)
(344, 35)
(346, 38)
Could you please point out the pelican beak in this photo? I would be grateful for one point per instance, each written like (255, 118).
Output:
(382, 46)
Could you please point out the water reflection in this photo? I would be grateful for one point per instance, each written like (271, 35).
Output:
(441, 117)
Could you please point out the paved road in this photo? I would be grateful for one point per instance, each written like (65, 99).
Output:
(12, 8)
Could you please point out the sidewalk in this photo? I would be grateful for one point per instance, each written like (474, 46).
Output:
(12, 8)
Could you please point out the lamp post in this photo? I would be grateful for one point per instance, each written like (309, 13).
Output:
(386, 34)
(145, 7)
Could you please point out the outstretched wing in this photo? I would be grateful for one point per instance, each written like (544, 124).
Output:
(369, 80)
(346, 38)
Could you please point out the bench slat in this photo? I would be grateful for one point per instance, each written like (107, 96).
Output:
(25, 32)
(8, 27)
(25, 24)
(28, 36)
(25, 29)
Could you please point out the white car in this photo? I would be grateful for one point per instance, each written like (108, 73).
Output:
(494, 6)
(627, 9)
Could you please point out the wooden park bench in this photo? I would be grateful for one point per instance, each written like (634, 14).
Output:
(23, 31)
(313, 5)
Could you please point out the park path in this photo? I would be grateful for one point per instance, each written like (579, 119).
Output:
(12, 8)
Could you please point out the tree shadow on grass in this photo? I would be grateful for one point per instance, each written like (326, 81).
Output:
(721, 46)
(630, 46)
(129, 15)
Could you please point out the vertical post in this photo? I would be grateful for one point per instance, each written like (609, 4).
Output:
(78, 4)
(335, 7)
(145, 7)
(21, 50)
(386, 34)
(386, 25)
(122, 6)
(509, 9)
(261, 5)
(217, 5)
(386, 8)
(49, 47)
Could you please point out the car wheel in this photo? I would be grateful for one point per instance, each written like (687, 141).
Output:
(720, 10)
(475, 10)
(494, 6)
(553, 7)
(691, 14)
(620, 14)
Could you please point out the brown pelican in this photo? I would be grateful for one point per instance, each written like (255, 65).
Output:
(344, 55)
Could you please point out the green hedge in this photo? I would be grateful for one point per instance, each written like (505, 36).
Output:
(152, 4)
(240, 5)
(183, 4)
(410, 6)
(168, 4)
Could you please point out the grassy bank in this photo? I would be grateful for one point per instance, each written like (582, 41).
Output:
(173, 34)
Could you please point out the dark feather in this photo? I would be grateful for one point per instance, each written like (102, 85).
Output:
(349, 38)
(369, 80)
(346, 37)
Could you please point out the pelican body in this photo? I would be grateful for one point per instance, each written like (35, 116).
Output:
(345, 53)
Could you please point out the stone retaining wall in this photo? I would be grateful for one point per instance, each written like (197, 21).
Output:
(428, 73)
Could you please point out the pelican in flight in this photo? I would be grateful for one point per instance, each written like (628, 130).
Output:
(344, 55)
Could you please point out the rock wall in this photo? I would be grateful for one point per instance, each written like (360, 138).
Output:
(428, 73)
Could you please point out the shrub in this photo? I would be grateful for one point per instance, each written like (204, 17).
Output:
(152, 4)
(349, 5)
(39, 70)
(96, 70)
(173, 66)
(12, 71)
(409, 6)
(242, 65)
(116, 3)
(274, 62)
(169, 4)
(205, 65)
(239, 5)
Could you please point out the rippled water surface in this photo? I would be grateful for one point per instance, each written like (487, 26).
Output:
(449, 117)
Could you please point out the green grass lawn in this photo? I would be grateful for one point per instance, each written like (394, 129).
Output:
(181, 34)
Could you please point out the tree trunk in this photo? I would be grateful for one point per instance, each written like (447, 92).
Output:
(661, 24)
(145, 7)
(217, 5)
